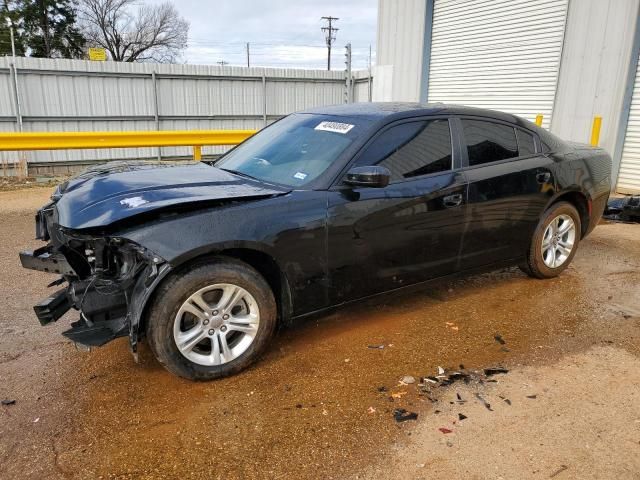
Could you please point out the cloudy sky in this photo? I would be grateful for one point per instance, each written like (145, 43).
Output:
(281, 33)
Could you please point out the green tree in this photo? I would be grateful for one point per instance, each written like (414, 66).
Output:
(10, 18)
(49, 28)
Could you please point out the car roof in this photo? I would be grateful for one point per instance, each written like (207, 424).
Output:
(397, 110)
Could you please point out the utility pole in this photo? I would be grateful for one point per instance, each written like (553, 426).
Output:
(329, 36)
(348, 94)
(248, 64)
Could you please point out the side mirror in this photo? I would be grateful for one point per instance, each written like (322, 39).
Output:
(374, 176)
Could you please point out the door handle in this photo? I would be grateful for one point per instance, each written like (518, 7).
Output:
(454, 200)
(543, 177)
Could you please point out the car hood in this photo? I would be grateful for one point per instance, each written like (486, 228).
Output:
(116, 191)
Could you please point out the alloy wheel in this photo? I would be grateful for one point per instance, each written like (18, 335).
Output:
(558, 241)
(216, 324)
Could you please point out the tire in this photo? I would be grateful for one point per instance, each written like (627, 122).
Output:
(191, 306)
(549, 262)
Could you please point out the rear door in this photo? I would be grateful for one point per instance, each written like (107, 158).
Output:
(407, 232)
(510, 183)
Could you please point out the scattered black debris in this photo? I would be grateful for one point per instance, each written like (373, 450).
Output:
(532, 396)
(299, 405)
(8, 402)
(401, 415)
(499, 339)
(460, 399)
(484, 402)
(461, 416)
(436, 411)
(375, 347)
(495, 371)
(445, 430)
(558, 471)
(461, 366)
(431, 379)
(382, 389)
(506, 400)
(625, 209)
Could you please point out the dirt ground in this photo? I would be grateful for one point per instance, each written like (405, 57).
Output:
(313, 407)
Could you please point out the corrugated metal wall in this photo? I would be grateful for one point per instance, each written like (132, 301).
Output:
(400, 45)
(503, 54)
(72, 95)
(629, 175)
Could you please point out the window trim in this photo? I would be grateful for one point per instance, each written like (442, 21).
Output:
(463, 141)
(456, 157)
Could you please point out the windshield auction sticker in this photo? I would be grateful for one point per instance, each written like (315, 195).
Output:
(334, 127)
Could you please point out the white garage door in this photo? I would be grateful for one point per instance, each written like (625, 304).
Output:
(629, 175)
(500, 54)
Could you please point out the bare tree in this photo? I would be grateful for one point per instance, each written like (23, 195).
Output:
(151, 33)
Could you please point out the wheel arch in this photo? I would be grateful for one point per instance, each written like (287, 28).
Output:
(581, 202)
(259, 260)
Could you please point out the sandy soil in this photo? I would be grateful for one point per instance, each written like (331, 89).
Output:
(303, 410)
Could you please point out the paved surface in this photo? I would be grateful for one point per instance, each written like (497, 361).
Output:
(311, 408)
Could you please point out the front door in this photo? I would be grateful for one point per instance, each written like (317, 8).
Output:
(407, 232)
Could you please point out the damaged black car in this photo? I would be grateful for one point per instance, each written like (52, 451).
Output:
(203, 261)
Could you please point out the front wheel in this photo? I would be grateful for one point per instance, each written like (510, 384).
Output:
(554, 243)
(211, 321)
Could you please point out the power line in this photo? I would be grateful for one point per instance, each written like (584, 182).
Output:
(329, 37)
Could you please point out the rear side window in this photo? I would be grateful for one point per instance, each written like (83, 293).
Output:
(488, 141)
(411, 149)
(526, 145)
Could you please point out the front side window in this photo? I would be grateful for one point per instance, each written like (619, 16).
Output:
(295, 150)
(411, 149)
(488, 141)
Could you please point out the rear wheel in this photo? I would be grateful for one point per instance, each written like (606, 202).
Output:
(212, 321)
(554, 243)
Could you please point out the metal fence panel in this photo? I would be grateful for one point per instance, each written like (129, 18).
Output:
(76, 95)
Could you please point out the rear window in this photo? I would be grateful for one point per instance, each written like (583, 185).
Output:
(488, 141)
(526, 145)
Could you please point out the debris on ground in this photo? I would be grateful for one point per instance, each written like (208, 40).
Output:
(398, 394)
(371, 410)
(8, 402)
(484, 402)
(402, 415)
(440, 371)
(462, 416)
(499, 339)
(408, 380)
(495, 371)
(382, 389)
(625, 209)
(558, 471)
(445, 430)
(375, 347)
(532, 396)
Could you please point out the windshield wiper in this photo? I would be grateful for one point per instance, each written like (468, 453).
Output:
(240, 174)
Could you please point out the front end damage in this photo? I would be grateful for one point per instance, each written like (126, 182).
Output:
(108, 279)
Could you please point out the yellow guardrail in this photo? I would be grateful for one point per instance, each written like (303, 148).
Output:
(167, 138)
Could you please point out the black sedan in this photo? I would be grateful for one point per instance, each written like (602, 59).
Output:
(321, 208)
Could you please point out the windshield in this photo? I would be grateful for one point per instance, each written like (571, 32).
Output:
(293, 151)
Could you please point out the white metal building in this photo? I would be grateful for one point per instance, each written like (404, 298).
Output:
(569, 60)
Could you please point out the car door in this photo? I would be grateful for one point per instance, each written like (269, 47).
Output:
(408, 231)
(510, 183)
